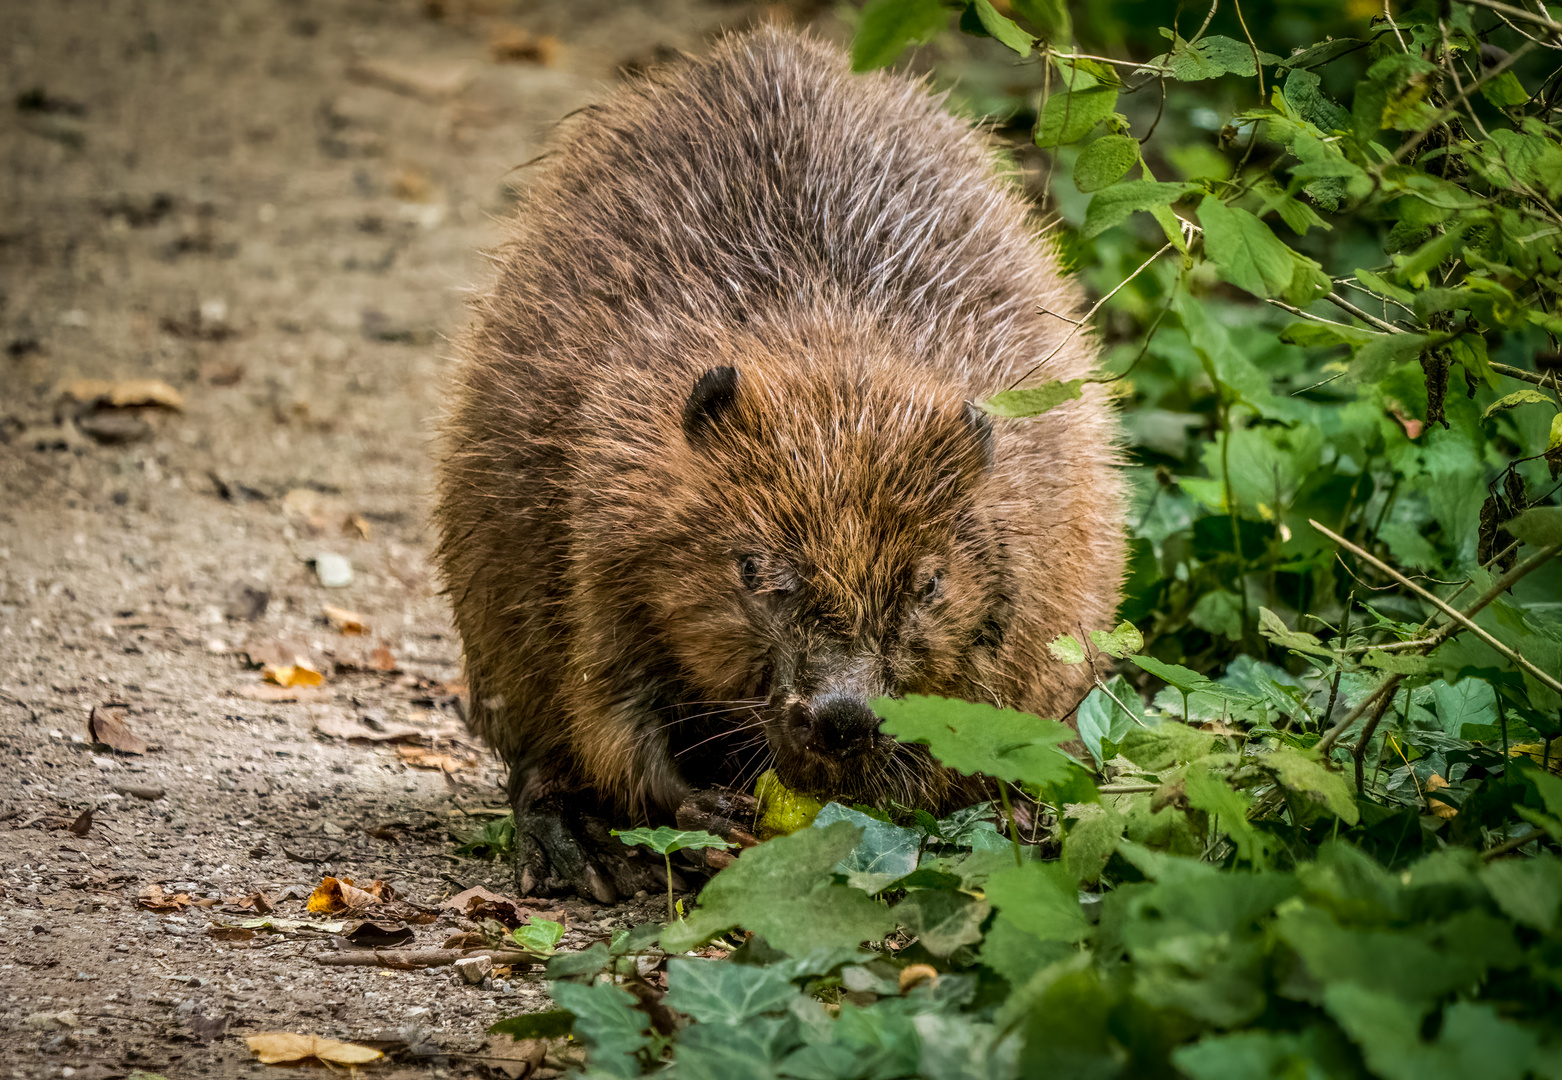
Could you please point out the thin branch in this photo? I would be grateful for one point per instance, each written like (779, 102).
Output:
(1521, 14)
(1359, 753)
(1453, 106)
(1548, 380)
(1371, 320)
(1432, 598)
(1087, 317)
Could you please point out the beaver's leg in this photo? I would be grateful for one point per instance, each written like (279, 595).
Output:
(562, 845)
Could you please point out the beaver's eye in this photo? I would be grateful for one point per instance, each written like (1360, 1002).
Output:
(748, 572)
(934, 587)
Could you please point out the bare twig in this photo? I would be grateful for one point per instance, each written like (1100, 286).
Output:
(1453, 613)
(1521, 14)
(1366, 737)
(1371, 320)
(1549, 380)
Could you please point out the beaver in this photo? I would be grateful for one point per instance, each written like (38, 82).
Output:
(713, 475)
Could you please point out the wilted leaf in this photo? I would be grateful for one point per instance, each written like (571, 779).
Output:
(334, 895)
(106, 726)
(1066, 649)
(274, 1047)
(152, 898)
(1121, 642)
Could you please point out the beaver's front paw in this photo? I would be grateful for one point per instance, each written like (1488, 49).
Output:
(558, 850)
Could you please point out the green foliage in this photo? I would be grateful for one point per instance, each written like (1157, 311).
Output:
(539, 936)
(495, 840)
(1312, 826)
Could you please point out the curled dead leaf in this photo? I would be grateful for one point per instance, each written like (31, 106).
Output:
(290, 675)
(420, 757)
(1437, 806)
(125, 394)
(106, 725)
(916, 974)
(152, 898)
(334, 895)
(275, 1047)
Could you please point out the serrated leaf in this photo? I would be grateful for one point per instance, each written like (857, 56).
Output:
(778, 890)
(1117, 203)
(1033, 400)
(889, 26)
(607, 1022)
(1273, 627)
(1528, 890)
(1042, 898)
(1092, 840)
(539, 936)
(1068, 117)
(975, 738)
(1505, 91)
(1066, 649)
(1105, 161)
(1121, 642)
(1539, 526)
(1515, 399)
(1244, 250)
(1307, 775)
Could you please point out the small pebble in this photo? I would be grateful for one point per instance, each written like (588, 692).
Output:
(474, 969)
(334, 571)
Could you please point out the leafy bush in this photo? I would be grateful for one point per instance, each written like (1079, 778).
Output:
(1312, 828)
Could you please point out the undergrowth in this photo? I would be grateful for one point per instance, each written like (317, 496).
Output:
(1315, 829)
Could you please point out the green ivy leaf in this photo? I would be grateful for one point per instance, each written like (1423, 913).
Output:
(1033, 400)
(607, 1022)
(667, 841)
(1105, 161)
(720, 992)
(888, 26)
(943, 919)
(885, 853)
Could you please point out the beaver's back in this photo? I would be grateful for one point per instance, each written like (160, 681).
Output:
(763, 193)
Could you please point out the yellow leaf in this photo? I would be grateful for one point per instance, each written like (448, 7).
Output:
(347, 622)
(274, 1047)
(292, 675)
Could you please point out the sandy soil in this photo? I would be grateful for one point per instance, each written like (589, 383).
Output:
(273, 208)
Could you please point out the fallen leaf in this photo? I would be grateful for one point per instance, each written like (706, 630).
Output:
(1438, 806)
(381, 659)
(479, 903)
(360, 730)
(279, 694)
(357, 523)
(290, 675)
(82, 825)
(206, 1028)
(343, 621)
(423, 758)
(114, 428)
(274, 1047)
(257, 901)
(278, 925)
(380, 935)
(511, 45)
(230, 933)
(128, 393)
(467, 940)
(112, 731)
(152, 898)
(334, 895)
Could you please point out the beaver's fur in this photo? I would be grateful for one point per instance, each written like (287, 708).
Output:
(711, 478)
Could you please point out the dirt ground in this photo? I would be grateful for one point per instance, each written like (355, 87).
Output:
(274, 209)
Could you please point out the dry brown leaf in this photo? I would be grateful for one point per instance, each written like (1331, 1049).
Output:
(103, 726)
(382, 659)
(279, 694)
(292, 675)
(1438, 806)
(275, 1047)
(82, 825)
(512, 1057)
(128, 393)
(152, 898)
(344, 621)
(511, 45)
(357, 523)
(420, 757)
(917, 974)
(335, 895)
(340, 726)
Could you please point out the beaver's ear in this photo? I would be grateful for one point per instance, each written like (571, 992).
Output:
(713, 394)
(981, 426)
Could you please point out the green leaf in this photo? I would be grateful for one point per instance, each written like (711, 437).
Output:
(666, 841)
(1473, 1040)
(1002, 28)
(1380, 356)
(554, 1024)
(1104, 717)
(1068, 117)
(607, 1022)
(975, 738)
(1241, 1055)
(1323, 53)
(1184, 679)
(1043, 898)
(1092, 840)
(1539, 526)
(1033, 400)
(720, 992)
(1066, 649)
(1121, 642)
(1517, 398)
(1209, 58)
(1050, 17)
(1308, 776)
(1244, 250)
(538, 937)
(888, 26)
(1273, 627)
(885, 852)
(587, 961)
(779, 890)
(1105, 161)
(943, 919)
(1505, 91)
(1118, 202)
(1528, 890)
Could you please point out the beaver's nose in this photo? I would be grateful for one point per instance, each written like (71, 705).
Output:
(835, 723)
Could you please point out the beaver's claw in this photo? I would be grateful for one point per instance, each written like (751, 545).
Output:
(557, 851)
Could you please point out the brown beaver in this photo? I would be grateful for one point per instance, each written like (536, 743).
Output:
(713, 477)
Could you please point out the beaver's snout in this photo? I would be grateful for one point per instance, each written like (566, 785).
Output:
(835, 724)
